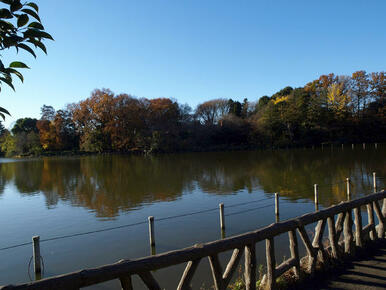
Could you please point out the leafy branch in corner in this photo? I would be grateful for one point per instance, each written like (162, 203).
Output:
(20, 28)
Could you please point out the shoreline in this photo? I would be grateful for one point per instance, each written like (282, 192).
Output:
(325, 145)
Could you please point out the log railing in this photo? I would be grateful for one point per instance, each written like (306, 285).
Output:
(338, 219)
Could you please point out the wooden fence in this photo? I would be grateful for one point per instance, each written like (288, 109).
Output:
(338, 219)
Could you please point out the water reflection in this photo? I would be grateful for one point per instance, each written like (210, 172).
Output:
(112, 184)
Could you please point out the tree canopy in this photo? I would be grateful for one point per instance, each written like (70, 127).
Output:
(21, 29)
(330, 109)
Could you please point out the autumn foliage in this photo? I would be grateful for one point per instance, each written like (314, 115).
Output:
(333, 109)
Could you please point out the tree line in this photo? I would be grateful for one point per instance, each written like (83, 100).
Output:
(330, 109)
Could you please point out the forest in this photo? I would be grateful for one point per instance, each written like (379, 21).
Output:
(331, 109)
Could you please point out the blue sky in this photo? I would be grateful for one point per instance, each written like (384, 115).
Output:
(194, 50)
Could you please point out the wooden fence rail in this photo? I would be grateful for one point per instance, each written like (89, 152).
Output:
(244, 244)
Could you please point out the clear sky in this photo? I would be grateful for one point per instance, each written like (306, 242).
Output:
(194, 50)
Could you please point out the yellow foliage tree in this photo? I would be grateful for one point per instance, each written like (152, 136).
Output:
(337, 100)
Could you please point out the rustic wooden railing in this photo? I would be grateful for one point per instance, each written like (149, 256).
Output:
(338, 218)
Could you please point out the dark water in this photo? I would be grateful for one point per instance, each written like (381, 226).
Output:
(54, 197)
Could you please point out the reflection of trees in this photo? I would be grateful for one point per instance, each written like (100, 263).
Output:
(293, 173)
(106, 184)
(223, 172)
(114, 183)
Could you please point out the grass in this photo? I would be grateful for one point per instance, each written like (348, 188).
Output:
(285, 281)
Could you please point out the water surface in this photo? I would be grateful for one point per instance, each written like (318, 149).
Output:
(54, 197)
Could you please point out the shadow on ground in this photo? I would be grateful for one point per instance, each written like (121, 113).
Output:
(366, 271)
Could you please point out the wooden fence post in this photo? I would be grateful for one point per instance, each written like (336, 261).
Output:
(332, 237)
(188, 274)
(151, 230)
(348, 188)
(352, 146)
(222, 220)
(376, 146)
(276, 204)
(317, 243)
(347, 231)
(294, 251)
(126, 283)
(36, 254)
(223, 234)
(316, 196)
(216, 269)
(358, 227)
(375, 182)
(364, 146)
(250, 267)
(381, 219)
(271, 263)
(370, 219)
(153, 250)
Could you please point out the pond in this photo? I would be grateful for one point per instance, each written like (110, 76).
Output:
(93, 210)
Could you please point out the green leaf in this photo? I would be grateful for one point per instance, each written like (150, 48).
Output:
(7, 75)
(32, 32)
(36, 25)
(32, 13)
(33, 5)
(16, 73)
(4, 111)
(5, 25)
(27, 48)
(38, 44)
(5, 13)
(8, 82)
(16, 5)
(7, 1)
(22, 20)
(11, 40)
(18, 64)
(15, 38)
